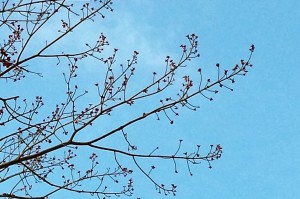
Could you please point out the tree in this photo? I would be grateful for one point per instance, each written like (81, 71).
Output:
(41, 148)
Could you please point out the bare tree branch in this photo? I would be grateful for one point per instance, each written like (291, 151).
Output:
(37, 141)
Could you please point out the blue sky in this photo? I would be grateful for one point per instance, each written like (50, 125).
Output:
(257, 124)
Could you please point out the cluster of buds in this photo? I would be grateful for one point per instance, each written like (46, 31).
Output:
(5, 59)
(16, 35)
(188, 82)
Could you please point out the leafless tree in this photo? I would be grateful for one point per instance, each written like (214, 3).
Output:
(41, 149)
